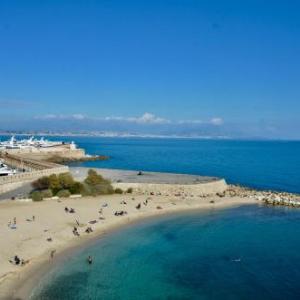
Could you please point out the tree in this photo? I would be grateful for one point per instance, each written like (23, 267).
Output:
(66, 180)
(95, 184)
(94, 178)
(54, 183)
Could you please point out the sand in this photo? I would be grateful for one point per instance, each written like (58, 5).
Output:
(130, 176)
(29, 240)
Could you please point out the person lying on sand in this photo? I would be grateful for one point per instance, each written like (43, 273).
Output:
(24, 262)
(93, 222)
(120, 213)
(12, 226)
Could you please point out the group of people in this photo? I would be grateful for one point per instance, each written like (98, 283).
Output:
(89, 230)
(18, 261)
(120, 213)
(69, 210)
(12, 225)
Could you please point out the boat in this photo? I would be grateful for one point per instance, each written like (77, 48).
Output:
(5, 170)
(28, 143)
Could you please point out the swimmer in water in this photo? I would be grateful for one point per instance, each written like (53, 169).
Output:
(90, 260)
(236, 260)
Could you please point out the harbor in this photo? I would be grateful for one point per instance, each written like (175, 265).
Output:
(24, 160)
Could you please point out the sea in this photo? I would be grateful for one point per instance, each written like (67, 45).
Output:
(249, 252)
(267, 165)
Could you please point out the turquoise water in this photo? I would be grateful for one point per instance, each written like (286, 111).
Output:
(243, 253)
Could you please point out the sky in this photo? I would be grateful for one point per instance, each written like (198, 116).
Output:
(198, 68)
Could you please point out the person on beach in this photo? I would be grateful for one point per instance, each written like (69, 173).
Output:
(75, 232)
(16, 260)
(52, 254)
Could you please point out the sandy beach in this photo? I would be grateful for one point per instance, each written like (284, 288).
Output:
(43, 227)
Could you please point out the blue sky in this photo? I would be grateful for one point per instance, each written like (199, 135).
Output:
(191, 67)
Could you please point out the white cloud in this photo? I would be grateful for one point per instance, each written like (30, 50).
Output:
(214, 121)
(146, 118)
(217, 121)
(78, 116)
(61, 117)
(190, 122)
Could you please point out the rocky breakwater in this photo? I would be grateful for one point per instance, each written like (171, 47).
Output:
(267, 197)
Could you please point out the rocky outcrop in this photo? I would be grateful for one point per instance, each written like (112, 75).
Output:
(267, 197)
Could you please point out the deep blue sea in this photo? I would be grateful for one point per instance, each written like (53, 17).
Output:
(244, 253)
(271, 165)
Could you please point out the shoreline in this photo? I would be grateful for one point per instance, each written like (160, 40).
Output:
(40, 265)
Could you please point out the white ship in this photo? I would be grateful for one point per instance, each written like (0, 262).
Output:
(28, 143)
(5, 170)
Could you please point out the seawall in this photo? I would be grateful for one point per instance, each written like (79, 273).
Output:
(201, 189)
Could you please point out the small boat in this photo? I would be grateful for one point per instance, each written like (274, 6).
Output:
(5, 170)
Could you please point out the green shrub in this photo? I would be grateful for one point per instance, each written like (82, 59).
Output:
(41, 183)
(46, 193)
(101, 189)
(118, 191)
(95, 185)
(36, 196)
(93, 178)
(129, 190)
(54, 183)
(77, 188)
(63, 194)
(66, 180)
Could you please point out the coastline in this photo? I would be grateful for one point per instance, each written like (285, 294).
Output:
(15, 284)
